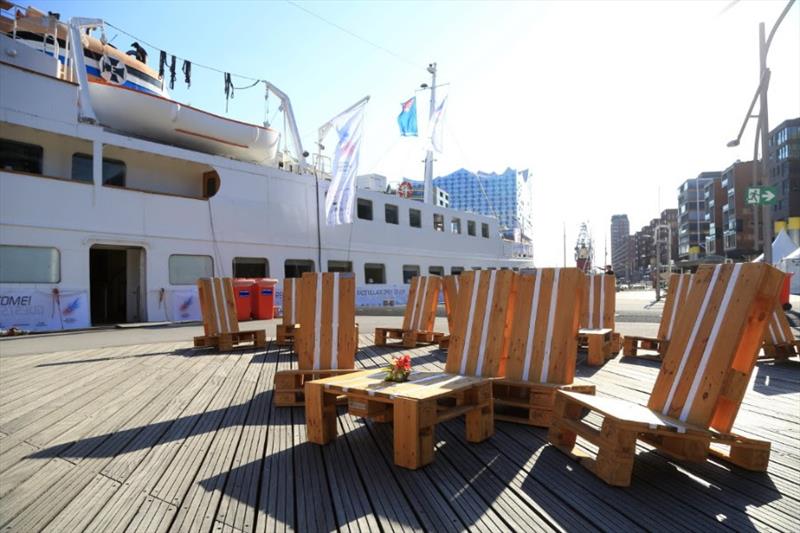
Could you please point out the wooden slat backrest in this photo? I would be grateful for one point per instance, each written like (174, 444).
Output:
(423, 297)
(679, 286)
(544, 334)
(599, 301)
(778, 330)
(327, 313)
(712, 352)
(451, 285)
(217, 305)
(479, 339)
(290, 301)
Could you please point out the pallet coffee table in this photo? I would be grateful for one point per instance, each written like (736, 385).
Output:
(415, 407)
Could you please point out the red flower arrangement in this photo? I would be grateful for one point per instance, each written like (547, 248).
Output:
(400, 369)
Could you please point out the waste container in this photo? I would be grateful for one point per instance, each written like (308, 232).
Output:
(264, 298)
(787, 283)
(243, 293)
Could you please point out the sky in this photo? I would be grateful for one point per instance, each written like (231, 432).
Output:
(611, 105)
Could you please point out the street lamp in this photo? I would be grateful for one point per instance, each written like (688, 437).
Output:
(763, 122)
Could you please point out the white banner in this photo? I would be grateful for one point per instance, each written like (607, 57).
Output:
(33, 310)
(341, 194)
(185, 306)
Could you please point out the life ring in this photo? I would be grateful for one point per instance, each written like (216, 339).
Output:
(405, 189)
(113, 70)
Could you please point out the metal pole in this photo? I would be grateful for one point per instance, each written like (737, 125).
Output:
(763, 121)
(428, 196)
(658, 265)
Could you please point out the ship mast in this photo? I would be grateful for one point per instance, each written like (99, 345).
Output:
(428, 196)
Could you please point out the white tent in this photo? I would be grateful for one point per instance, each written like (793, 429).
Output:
(782, 246)
(791, 265)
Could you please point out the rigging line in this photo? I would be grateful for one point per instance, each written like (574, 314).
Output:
(355, 35)
(194, 63)
(477, 176)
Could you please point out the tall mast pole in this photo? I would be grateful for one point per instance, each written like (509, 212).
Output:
(428, 197)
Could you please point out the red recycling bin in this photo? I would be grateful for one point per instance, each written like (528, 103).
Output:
(787, 284)
(264, 298)
(243, 294)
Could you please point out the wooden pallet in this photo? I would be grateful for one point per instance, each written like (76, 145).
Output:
(675, 303)
(415, 408)
(779, 342)
(450, 286)
(419, 316)
(529, 403)
(327, 339)
(599, 302)
(599, 344)
(285, 331)
(220, 324)
(703, 378)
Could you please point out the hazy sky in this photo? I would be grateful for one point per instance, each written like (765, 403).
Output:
(607, 103)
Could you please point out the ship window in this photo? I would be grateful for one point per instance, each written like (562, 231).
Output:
(455, 226)
(410, 271)
(187, 269)
(392, 216)
(294, 268)
(415, 218)
(484, 230)
(374, 273)
(364, 208)
(250, 267)
(29, 264)
(476, 268)
(438, 222)
(22, 157)
(210, 183)
(454, 271)
(436, 270)
(340, 266)
(113, 170)
(471, 227)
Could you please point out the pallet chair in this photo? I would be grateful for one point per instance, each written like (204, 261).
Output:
(450, 284)
(779, 342)
(326, 342)
(285, 331)
(699, 388)
(419, 316)
(597, 332)
(679, 287)
(542, 347)
(220, 324)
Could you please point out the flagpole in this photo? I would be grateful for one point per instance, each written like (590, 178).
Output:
(428, 196)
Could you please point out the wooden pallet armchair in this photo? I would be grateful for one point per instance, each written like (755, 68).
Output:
(678, 289)
(285, 331)
(428, 398)
(698, 392)
(450, 284)
(543, 346)
(597, 332)
(779, 341)
(327, 341)
(419, 316)
(221, 327)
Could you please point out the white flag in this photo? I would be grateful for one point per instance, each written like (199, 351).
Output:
(437, 128)
(340, 200)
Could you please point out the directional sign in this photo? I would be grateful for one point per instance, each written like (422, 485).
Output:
(762, 195)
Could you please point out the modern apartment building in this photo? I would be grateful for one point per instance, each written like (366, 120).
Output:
(715, 198)
(738, 225)
(784, 175)
(668, 217)
(692, 225)
(620, 230)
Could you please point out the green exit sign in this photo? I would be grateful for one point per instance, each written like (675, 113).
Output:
(761, 195)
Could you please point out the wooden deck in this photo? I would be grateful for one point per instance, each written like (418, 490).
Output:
(161, 437)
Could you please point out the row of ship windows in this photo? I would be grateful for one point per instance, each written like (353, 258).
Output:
(38, 264)
(392, 216)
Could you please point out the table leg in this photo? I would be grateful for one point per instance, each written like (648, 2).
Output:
(320, 414)
(480, 421)
(414, 423)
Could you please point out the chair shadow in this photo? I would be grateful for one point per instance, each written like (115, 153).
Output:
(183, 352)
(777, 377)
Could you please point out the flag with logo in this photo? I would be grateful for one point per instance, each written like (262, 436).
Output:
(407, 119)
(437, 126)
(340, 198)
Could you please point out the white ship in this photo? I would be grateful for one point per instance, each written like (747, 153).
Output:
(114, 198)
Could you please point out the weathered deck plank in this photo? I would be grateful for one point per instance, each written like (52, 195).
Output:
(162, 438)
